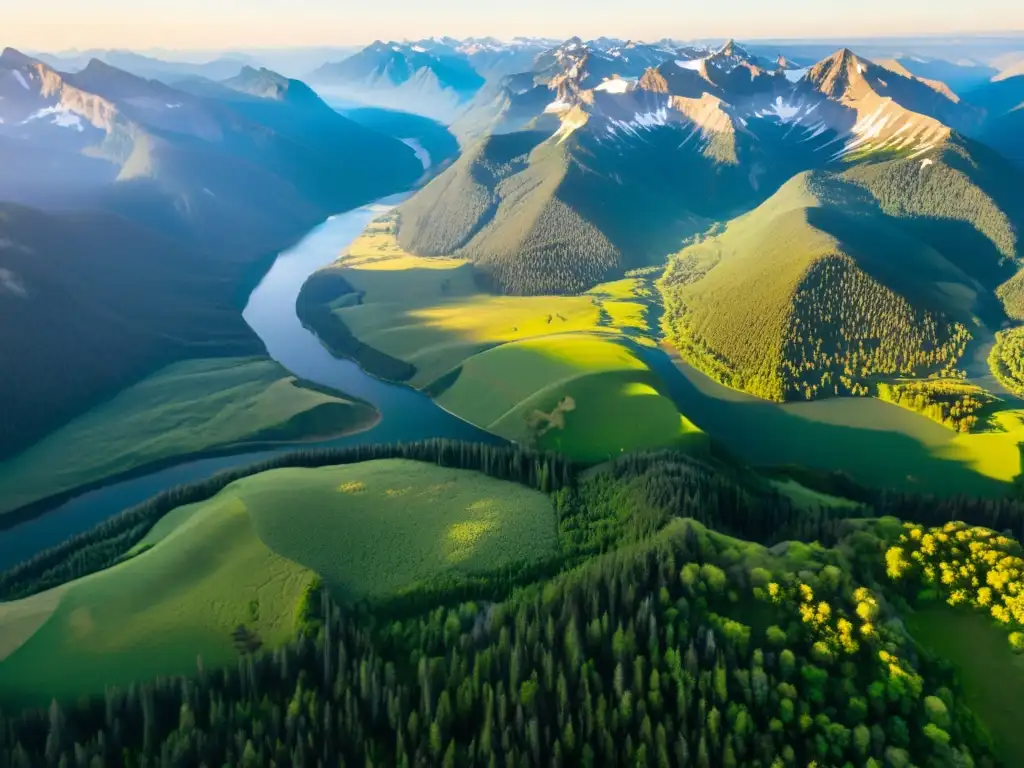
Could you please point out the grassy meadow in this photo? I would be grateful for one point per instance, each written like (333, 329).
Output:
(245, 557)
(992, 675)
(810, 499)
(585, 395)
(207, 573)
(183, 409)
(379, 527)
(506, 363)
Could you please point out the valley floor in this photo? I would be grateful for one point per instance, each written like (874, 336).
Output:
(564, 373)
(992, 675)
(582, 375)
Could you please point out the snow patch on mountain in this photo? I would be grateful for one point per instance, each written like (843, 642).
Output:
(781, 109)
(815, 131)
(572, 120)
(421, 152)
(693, 64)
(796, 75)
(615, 85)
(557, 106)
(62, 117)
(21, 79)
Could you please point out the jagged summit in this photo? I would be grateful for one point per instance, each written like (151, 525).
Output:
(652, 80)
(840, 73)
(12, 57)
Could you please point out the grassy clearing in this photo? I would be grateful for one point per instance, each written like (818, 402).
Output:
(383, 526)
(185, 408)
(992, 675)
(429, 311)
(153, 614)
(20, 619)
(520, 391)
(506, 363)
(245, 557)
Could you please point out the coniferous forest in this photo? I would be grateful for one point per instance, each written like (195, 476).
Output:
(681, 622)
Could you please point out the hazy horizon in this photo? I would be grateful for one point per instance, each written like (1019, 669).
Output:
(234, 24)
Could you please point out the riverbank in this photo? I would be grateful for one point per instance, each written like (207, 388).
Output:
(405, 414)
(188, 410)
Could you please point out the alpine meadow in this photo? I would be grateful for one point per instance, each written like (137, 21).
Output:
(443, 384)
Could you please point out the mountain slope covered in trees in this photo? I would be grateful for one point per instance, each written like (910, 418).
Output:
(630, 163)
(883, 270)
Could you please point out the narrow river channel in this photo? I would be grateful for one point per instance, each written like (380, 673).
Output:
(405, 413)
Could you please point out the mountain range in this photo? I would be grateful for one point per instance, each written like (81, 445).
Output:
(853, 176)
(434, 81)
(141, 211)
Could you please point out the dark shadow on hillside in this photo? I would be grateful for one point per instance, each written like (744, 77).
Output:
(765, 433)
(915, 256)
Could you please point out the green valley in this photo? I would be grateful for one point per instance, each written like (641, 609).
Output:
(559, 372)
(664, 409)
(339, 572)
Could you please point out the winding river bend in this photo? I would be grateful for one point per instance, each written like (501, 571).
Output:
(405, 413)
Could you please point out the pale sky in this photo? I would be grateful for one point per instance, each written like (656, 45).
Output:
(221, 24)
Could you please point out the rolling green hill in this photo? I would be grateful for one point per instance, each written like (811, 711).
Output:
(559, 372)
(246, 558)
(540, 215)
(102, 297)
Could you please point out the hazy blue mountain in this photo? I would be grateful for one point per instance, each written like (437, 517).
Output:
(407, 76)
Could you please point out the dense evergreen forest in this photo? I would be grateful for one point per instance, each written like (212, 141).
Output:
(652, 638)
(687, 648)
(511, 220)
(846, 328)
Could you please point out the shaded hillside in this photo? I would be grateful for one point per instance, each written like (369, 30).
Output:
(434, 137)
(840, 279)
(88, 302)
(1003, 102)
(258, 131)
(165, 204)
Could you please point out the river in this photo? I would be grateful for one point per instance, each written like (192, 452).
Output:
(406, 414)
